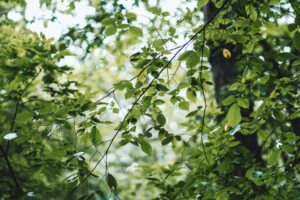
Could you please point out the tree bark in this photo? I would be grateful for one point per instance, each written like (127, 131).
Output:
(224, 73)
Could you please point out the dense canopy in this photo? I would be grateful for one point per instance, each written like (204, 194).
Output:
(142, 99)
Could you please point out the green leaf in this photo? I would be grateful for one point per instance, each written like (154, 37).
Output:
(193, 60)
(173, 99)
(274, 2)
(296, 63)
(193, 113)
(292, 27)
(107, 21)
(296, 40)
(228, 101)
(165, 14)
(183, 85)
(123, 84)
(209, 83)
(95, 136)
(111, 182)
(191, 95)
(158, 102)
(24, 117)
(146, 147)
(131, 16)
(185, 55)
(273, 156)
(202, 3)
(95, 119)
(167, 140)
(234, 115)
(278, 115)
(234, 86)
(64, 53)
(161, 119)
(155, 10)
(244, 103)
(116, 110)
(225, 165)
(285, 56)
(233, 143)
(253, 13)
(158, 44)
(161, 87)
(136, 31)
(110, 31)
(222, 195)
(184, 105)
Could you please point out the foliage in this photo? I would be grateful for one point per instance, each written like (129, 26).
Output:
(60, 140)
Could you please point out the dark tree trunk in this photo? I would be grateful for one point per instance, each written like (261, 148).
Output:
(224, 73)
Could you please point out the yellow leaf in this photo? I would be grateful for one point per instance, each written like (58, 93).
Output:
(226, 53)
(226, 126)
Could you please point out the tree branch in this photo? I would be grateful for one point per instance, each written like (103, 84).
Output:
(19, 190)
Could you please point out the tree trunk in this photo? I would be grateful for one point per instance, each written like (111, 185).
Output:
(224, 73)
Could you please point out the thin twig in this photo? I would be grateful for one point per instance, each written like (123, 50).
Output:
(112, 90)
(173, 75)
(202, 126)
(12, 125)
(204, 99)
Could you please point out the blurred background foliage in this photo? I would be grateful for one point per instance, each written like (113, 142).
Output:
(191, 99)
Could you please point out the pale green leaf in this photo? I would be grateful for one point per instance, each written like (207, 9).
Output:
(234, 115)
(136, 31)
(229, 100)
(131, 16)
(202, 3)
(110, 31)
(243, 102)
(191, 95)
(184, 105)
(274, 156)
